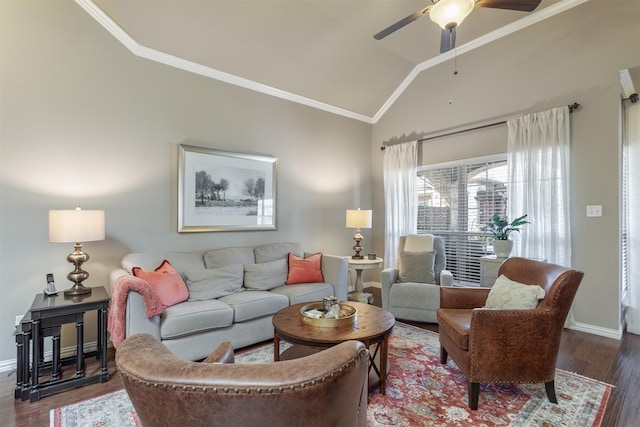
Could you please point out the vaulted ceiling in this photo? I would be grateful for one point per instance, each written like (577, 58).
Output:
(316, 52)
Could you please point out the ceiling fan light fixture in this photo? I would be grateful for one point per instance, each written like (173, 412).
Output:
(450, 13)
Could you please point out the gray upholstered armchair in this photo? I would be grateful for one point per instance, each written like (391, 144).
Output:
(328, 388)
(411, 291)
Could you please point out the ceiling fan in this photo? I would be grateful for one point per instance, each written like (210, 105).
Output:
(448, 14)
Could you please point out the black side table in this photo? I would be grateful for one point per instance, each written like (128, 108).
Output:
(45, 318)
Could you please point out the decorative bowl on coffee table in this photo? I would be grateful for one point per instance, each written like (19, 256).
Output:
(348, 315)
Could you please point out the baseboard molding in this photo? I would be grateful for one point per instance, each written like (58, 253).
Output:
(596, 330)
(10, 365)
(7, 365)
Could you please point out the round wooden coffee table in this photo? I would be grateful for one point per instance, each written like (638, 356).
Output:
(372, 327)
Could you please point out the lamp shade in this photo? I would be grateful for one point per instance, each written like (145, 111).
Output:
(76, 226)
(358, 218)
(450, 13)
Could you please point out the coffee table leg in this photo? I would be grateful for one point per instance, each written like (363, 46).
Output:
(276, 348)
(383, 364)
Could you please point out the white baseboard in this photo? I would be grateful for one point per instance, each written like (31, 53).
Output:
(597, 330)
(10, 365)
(7, 365)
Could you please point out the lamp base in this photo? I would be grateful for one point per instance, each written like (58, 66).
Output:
(357, 248)
(77, 258)
(77, 289)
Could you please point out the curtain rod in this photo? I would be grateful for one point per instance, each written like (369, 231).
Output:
(572, 108)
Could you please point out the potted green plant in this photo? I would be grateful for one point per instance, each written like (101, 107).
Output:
(500, 228)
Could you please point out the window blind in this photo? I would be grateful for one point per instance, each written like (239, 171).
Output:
(455, 201)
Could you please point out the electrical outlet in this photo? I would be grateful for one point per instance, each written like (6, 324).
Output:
(594, 211)
(19, 319)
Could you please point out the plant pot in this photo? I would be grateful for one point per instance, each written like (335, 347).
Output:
(502, 248)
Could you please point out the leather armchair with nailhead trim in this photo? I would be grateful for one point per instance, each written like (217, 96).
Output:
(328, 388)
(492, 345)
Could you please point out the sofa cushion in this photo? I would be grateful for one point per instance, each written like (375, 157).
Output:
(181, 261)
(275, 251)
(192, 317)
(265, 275)
(422, 296)
(305, 292)
(304, 270)
(417, 267)
(507, 294)
(166, 283)
(251, 305)
(214, 282)
(216, 258)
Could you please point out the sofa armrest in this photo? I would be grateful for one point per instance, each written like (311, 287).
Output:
(113, 276)
(136, 320)
(446, 278)
(335, 270)
(388, 277)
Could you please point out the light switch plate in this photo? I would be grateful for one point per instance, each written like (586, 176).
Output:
(594, 211)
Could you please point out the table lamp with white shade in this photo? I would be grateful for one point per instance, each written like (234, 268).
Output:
(76, 226)
(357, 218)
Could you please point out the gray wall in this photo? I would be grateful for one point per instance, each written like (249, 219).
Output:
(85, 122)
(574, 56)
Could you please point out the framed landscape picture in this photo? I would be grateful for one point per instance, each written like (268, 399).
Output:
(225, 191)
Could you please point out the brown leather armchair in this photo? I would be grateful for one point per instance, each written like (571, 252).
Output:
(324, 389)
(508, 346)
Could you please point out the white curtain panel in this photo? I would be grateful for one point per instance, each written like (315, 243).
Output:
(538, 154)
(400, 167)
(631, 141)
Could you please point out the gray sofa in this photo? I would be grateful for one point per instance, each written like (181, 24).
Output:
(193, 329)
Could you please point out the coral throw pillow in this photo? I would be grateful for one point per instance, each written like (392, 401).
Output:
(305, 270)
(166, 282)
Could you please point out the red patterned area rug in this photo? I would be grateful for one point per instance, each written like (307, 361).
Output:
(420, 392)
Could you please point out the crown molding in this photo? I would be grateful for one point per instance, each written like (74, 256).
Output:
(164, 58)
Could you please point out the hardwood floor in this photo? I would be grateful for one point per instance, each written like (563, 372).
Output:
(611, 361)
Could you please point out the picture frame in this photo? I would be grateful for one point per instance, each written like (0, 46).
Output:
(225, 191)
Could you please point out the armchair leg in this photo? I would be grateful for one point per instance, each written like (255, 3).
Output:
(443, 355)
(551, 391)
(474, 393)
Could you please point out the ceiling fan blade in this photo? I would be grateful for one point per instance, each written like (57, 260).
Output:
(401, 23)
(448, 40)
(521, 5)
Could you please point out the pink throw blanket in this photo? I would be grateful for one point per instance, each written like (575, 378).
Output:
(118, 308)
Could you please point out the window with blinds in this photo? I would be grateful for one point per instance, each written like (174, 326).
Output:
(454, 202)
